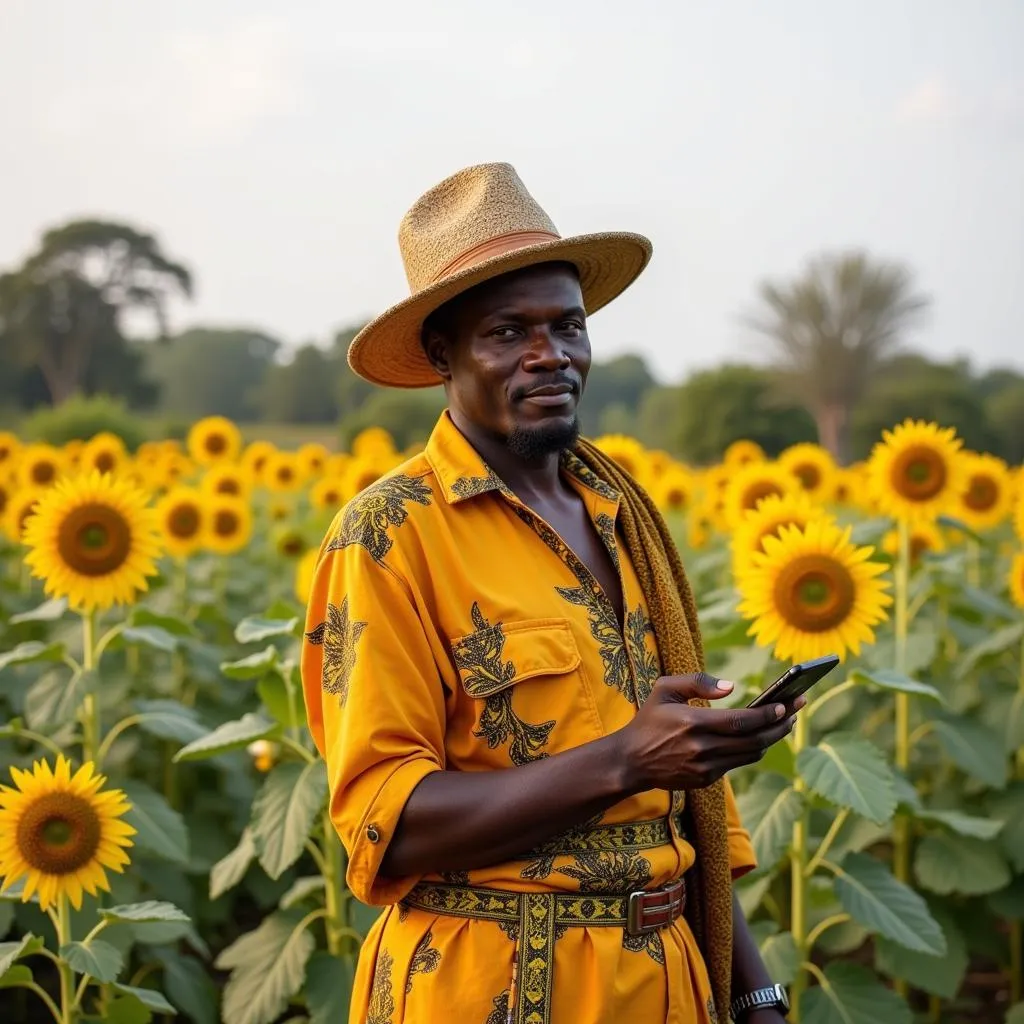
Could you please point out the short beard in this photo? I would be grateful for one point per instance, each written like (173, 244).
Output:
(533, 444)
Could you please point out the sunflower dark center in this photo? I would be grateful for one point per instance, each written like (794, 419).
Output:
(94, 539)
(105, 462)
(183, 522)
(758, 491)
(809, 475)
(58, 833)
(292, 546)
(216, 444)
(43, 472)
(919, 473)
(226, 523)
(285, 474)
(228, 486)
(982, 493)
(814, 593)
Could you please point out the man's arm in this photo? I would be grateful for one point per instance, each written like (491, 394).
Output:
(748, 970)
(462, 820)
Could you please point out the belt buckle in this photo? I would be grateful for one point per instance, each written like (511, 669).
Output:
(635, 915)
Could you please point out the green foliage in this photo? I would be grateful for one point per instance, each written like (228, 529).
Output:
(301, 391)
(409, 416)
(613, 393)
(699, 419)
(81, 418)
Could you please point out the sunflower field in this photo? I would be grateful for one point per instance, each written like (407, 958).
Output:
(165, 849)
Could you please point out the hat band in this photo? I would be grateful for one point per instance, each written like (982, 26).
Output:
(490, 247)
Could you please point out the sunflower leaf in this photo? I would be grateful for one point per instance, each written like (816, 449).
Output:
(938, 975)
(149, 910)
(887, 679)
(151, 636)
(16, 976)
(161, 829)
(149, 997)
(251, 666)
(300, 889)
(54, 699)
(328, 987)
(31, 650)
(188, 985)
(852, 994)
(169, 720)
(995, 643)
(96, 958)
(255, 628)
(126, 1010)
(872, 895)
(973, 747)
(15, 892)
(284, 812)
(851, 772)
(268, 967)
(945, 863)
(769, 808)
(142, 616)
(11, 951)
(231, 868)
(229, 736)
(963, 824)
(48, 611)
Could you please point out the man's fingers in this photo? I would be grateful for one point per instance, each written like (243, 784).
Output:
(740, 721)
(700, 685)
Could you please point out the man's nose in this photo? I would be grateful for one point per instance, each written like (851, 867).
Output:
(546, 351)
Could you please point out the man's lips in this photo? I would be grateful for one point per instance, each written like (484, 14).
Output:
(551, 395)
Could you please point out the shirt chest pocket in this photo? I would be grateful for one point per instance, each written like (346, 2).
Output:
(497, 656)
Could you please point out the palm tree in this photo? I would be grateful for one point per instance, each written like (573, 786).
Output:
(832, 327)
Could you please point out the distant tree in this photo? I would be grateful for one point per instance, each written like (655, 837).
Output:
(620, 382)
(409, 416)
(700, 418)
(302, 391)
(912, 385)
(1005, 413)
(206, 371)
(831, 328)
(63, 310)
(351, 390)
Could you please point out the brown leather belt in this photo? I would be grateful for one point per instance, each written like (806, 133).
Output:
(647, 911)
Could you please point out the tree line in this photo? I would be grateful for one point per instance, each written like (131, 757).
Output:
(838, 369)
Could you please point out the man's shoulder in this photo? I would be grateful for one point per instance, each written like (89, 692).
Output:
(375, 517)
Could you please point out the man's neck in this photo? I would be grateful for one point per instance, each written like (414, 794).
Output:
(526, 478)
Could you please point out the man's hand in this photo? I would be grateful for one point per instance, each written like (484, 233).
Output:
(670, 745)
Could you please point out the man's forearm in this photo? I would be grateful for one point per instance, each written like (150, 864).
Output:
(456, 821)
(748, 969)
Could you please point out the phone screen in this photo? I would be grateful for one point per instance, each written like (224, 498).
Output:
(795, 680)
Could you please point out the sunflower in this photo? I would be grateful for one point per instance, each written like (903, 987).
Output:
(226, 478)
(753, 483)
(7, 491)
(10, 446)
(812, 592)
(214, 439)
(255, 456)
(739, 453)
(700, 525)
(328, 493)
(847, 486)
(228, 524)
(813, 467)
(281, 472)
(626, 451)
(987, 497)
(360, 474)
(371, 442)
(1018, 514)
(673, 489)
(264, 753)
(93, 540)
(336, 464)
(1017, 580)
(39, 465)
(289, 542)
(924, 537)
(917, 471)
(312, 458)
(61, 832)
(280, 510)
(105, 453)
(304, 572)
(771, 514)
(181, 517)
(19, 507)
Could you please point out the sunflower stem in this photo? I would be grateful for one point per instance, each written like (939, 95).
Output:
(334, 886)
(89, 710)
(68, 1003)
(1020, 710)
(50, 1004)
(43, 741)
(798, 874)
(901, 825)
(973, 562)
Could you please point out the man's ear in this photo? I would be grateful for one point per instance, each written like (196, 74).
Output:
(436, 347)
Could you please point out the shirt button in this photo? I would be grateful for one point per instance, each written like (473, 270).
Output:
(373, 833)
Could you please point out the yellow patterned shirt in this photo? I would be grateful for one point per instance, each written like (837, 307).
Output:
(450, 628)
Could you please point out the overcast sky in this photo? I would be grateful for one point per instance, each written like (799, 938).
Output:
(274, 147)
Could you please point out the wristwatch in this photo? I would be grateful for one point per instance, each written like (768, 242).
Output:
(774, 997)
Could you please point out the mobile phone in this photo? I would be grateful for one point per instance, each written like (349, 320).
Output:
(795, 680)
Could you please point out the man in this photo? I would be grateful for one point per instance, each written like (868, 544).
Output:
(500, 656)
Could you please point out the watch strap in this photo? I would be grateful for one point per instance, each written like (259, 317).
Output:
(772, 997)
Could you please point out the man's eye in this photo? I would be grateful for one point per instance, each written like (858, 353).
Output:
(504, 333)
(570, 327)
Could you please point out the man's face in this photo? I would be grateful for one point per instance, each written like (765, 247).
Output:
(515, 355)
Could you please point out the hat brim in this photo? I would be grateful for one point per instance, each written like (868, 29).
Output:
(388, 350)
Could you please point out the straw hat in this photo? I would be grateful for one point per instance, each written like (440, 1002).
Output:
(473, 226)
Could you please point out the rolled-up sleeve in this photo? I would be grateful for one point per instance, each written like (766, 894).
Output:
(375, 707)
(741, 849)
